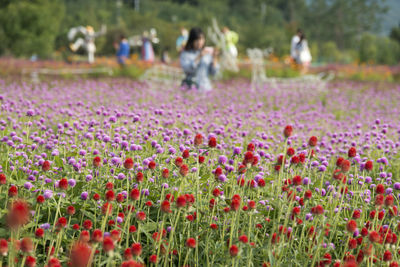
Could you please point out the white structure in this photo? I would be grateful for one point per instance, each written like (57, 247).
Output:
(227, 60)
(256, 57)
(87, 42)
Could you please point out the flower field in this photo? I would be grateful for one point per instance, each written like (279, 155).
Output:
(119, 173)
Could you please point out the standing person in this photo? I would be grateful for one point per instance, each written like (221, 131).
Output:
(147, 48)
(293, 51)
(181, 40)
(304, 54)
(198, 62)
(231, 38)
(123, 50)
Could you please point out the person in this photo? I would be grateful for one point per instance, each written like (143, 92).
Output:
(181, 40)
(123, 50)
(198, 62)
(231, 39)
(147, 48)
(293, 51)
(303, 52)
(165, 56)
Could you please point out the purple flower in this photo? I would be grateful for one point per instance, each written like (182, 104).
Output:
(84, 195)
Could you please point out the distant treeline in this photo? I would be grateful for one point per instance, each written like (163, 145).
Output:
(337, 30)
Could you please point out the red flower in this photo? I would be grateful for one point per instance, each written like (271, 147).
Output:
(374, 237)
(178, 161)
(243, 239)
(295, 160)
(132, 229)
(352, 243)
(352, 152)
(302, 157)
(387, 256)
(141, 216)
(248, 158)
(106, 209)
(296, 211)
(96, 197)
(26, 245)
(110, 196)
(40, 199)
(80, 255)
(198, 140)
(233, 250)
(18, 213)
(345, 166)
(165, 173)
(97, 162)
(181, 201)
(54, 262)
(297, 180)
(290, 151)
(87, 224)
(380, 189)
(165, 206)
(250, 147)
(62, 222)
(97, 236)
(242, 169)
(356, 214)
(368, 165)
(201, 159)
(308, 194)
(317, 210)
(389, 200)
(191, 242)
(139, 177)
(70, 210)
(39, 233)
(3, 178)
(213, 226)
(185, 154)
(217, 172)
(128, 164)
(153, 258)
(75, 226)
(135, 194)
(108, 244)
(312, 141)
(184, 170)
(136, 249)
(152, 165)
(252, 204)
(3, 247)
(216, 192)
(84, 236)
(235, 204)
(12, 191)
(261, 182)
(339, 162)
(287, 131)
(46, 166)
(30, 261)
(63, 184)
(212, 142)
(351, 226)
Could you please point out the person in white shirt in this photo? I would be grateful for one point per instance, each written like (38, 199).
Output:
(303, 52)
(293, 51)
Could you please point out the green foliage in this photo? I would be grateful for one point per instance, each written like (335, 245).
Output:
(30, 27)
(383, 50)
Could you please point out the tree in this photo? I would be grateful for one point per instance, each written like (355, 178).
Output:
(30, 26)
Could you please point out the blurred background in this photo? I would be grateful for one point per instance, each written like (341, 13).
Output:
(338, 31)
